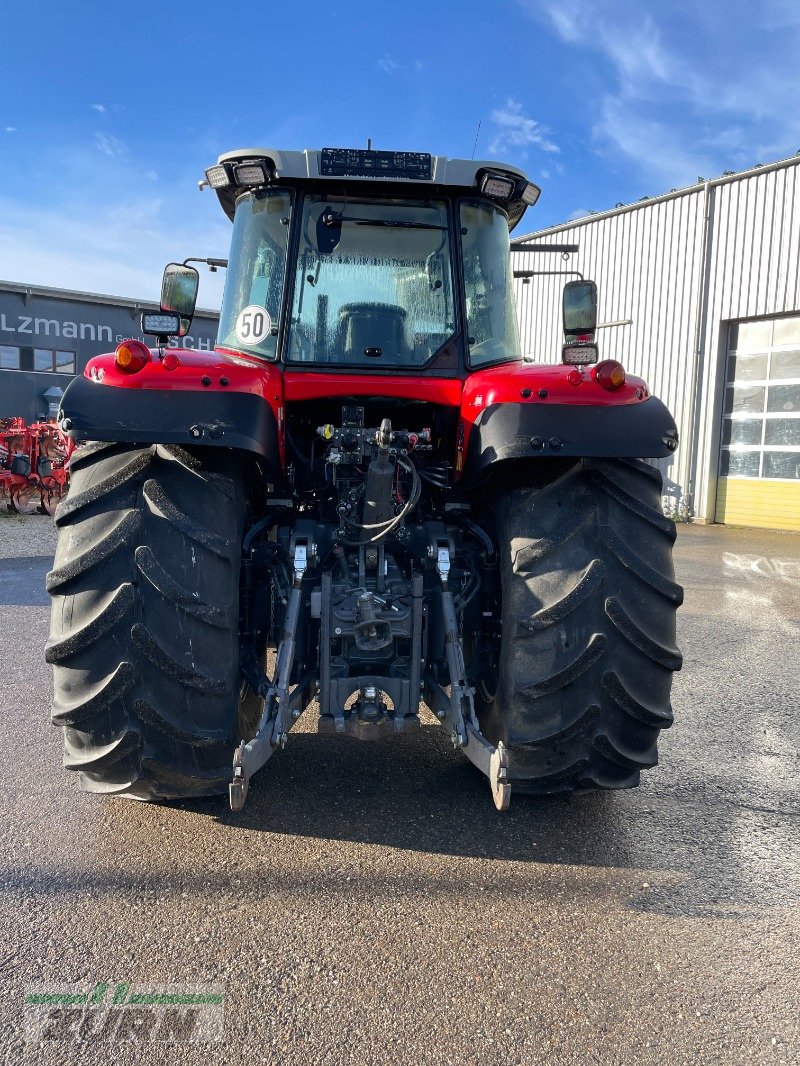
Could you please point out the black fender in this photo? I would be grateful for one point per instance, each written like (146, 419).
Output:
(225, 419)
(503, 431)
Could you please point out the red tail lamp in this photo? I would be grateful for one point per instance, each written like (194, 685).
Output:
(131, 357)
(610, 374)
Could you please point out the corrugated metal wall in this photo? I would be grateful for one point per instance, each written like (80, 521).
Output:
(753, 255)
(652, 265)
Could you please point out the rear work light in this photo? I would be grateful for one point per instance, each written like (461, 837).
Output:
(131, 357)
(530, 194)
(610, 374)
(218, 176)
(579, 354)
(253, 172)
(161, 323)
(498, 186)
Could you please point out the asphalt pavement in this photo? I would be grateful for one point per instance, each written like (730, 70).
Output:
(371, 906)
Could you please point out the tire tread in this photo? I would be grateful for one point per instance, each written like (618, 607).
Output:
(144, 622)
(588, 628)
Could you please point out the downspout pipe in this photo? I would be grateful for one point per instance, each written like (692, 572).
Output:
(699, 338)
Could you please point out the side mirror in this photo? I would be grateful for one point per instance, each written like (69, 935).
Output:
(179, 291)
(580, 310)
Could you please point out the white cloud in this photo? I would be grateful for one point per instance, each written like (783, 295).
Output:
(110, 146)
(11, 129)
(685, 91)
(151, 175)
(106, 229)
(119, 250)
(658, 147)
(781, 13)
(99, 108)
(389, 65)
(515, 129)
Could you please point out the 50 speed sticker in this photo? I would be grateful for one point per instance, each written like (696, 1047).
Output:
(253, 325)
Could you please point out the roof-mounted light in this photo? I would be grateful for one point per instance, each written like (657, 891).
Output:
(498, 186)
(218, 176)
(530, 194)
(251, 172)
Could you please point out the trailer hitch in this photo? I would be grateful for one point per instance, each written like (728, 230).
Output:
(456, 711)
(280, 706)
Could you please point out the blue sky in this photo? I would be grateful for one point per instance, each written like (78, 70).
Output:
(109, 113)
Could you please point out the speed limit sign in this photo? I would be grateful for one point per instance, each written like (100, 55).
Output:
(253, 325)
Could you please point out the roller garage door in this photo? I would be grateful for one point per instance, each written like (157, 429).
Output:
(759, 470)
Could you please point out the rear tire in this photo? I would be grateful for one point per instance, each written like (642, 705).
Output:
(145, 617)
(588, 628)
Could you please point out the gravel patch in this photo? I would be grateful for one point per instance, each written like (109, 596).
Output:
(26, 535)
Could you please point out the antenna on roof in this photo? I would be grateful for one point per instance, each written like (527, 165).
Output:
(477, 134)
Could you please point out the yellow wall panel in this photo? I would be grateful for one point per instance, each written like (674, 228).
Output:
(758, 502)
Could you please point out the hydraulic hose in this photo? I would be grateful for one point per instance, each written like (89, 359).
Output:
(477, 532)
(253, 532)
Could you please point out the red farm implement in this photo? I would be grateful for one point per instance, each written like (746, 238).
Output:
(34, 465)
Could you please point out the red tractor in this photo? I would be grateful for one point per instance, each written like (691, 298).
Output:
(366, 497)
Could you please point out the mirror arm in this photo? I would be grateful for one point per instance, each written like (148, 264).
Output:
(532, 273)
(212, 264)
(517, 246)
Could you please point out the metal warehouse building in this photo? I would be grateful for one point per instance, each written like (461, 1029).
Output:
(699, 293)
(48, 335)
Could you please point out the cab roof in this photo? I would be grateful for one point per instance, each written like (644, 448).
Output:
(415, 170)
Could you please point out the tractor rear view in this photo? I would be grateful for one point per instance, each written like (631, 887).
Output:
(364, 497)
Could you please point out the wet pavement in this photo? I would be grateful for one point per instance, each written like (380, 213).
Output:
(370, 906)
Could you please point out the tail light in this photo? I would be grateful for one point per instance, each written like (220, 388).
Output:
(131, 357)
(610, 374)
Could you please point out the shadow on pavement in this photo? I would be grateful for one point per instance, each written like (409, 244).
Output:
(22, 581)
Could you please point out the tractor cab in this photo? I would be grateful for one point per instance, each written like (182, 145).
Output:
(367, 260)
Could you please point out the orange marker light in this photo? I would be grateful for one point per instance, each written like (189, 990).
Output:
(131, 356)
(610, 374)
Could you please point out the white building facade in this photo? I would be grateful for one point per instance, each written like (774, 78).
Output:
(699, 293)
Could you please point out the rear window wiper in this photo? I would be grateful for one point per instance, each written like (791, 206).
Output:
(335, 218)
